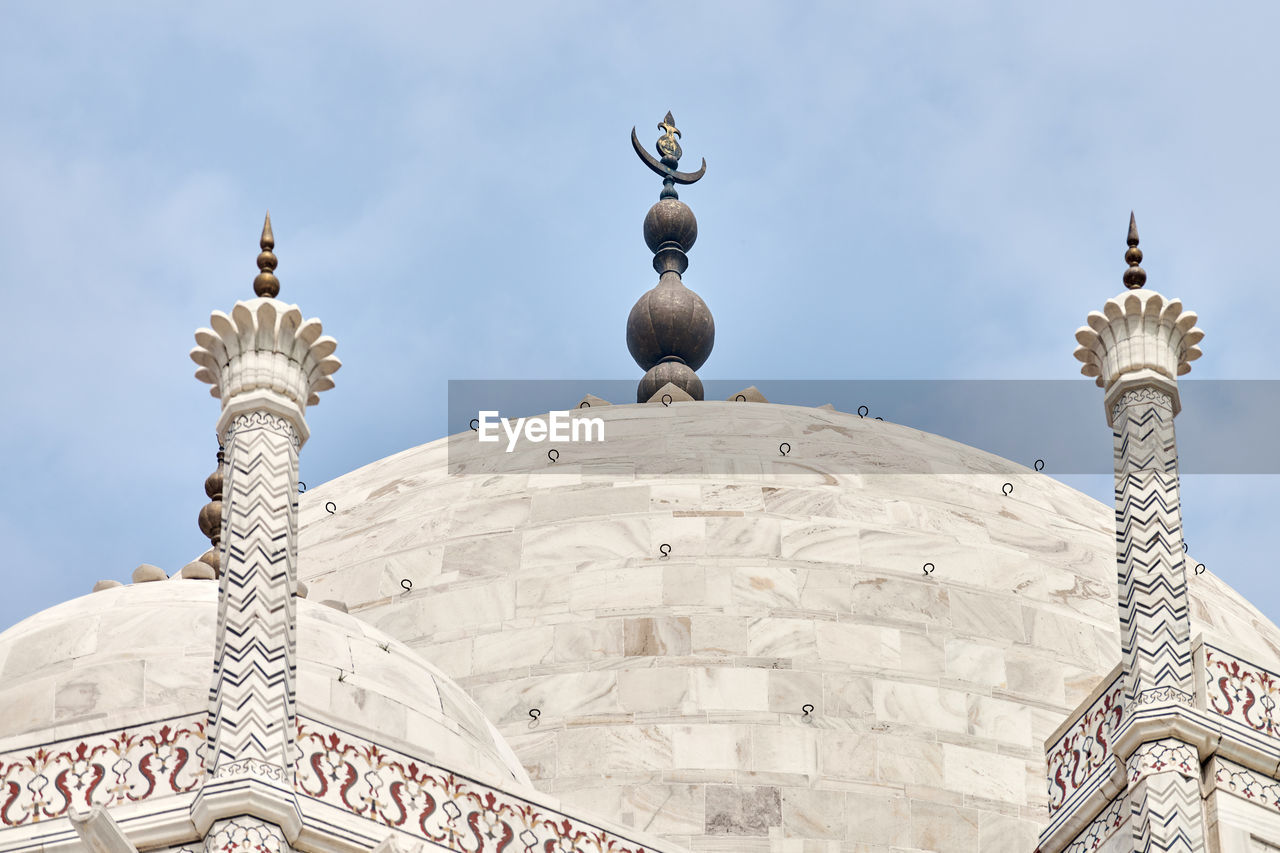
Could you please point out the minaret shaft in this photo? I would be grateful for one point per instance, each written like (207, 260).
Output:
(252, 699)
(1155, 631)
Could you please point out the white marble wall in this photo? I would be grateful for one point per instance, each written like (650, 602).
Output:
(670, 691)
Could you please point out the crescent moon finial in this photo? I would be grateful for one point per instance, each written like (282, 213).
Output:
(670, 151)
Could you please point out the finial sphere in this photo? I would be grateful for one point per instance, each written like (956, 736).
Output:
(670, 221)
(677, 373)
(670, 320)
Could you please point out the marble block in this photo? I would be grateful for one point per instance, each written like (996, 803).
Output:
(813, 813)
(666, 636)
(711, 747)
(742, 810)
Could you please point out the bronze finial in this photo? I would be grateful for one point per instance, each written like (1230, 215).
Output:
(210, 518)
(266, 283)
(1135, 276)
(669, 148)
(670, 331)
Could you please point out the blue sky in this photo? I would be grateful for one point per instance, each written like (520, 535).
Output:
(894, 190)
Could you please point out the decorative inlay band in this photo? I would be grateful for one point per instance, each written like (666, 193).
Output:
(245, 834)
(1101, 828)
(1142, 395)
(457, 813)
(250, 767)
(356, 776)
(1163, 694)
(1085, 747)
(259, 419)
(155, 760)
(1246, 784)
(1241, 691)
(1159, 756)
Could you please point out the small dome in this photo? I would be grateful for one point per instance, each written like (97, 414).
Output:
(133, 654)
(670, 221)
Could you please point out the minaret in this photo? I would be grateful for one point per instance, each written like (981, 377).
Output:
(1137, 347)
(266, 365)
(670, 331)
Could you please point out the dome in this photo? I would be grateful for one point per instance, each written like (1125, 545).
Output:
(144, 652)
(725, 643)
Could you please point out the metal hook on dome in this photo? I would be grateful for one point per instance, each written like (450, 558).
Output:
(1007, 488)
(665, 550)
(552, 457)
(1039, 466)
(740, 398)
(302, 487)
(787, 446)
(666, 400)
(928, 568)
(475, 424)
(1199, 568)
(535, 713)
(331, 504)
(863, 411)
(584, 405)
(407, 585)
(807, 708)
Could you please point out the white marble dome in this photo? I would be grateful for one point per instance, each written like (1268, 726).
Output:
(134, 654)
(671, 691)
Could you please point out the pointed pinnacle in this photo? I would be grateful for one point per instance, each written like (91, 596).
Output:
(266, 284)
(268, 240)
(1135, 276)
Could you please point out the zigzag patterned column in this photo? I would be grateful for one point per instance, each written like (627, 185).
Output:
(251, 713)
(1137, 347)
(266, 365)
(1155, 631)
(1164, 798)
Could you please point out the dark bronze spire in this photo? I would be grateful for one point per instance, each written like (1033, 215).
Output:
(1135, 276)
(210, 518)
(266, 283)
(670, 331)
